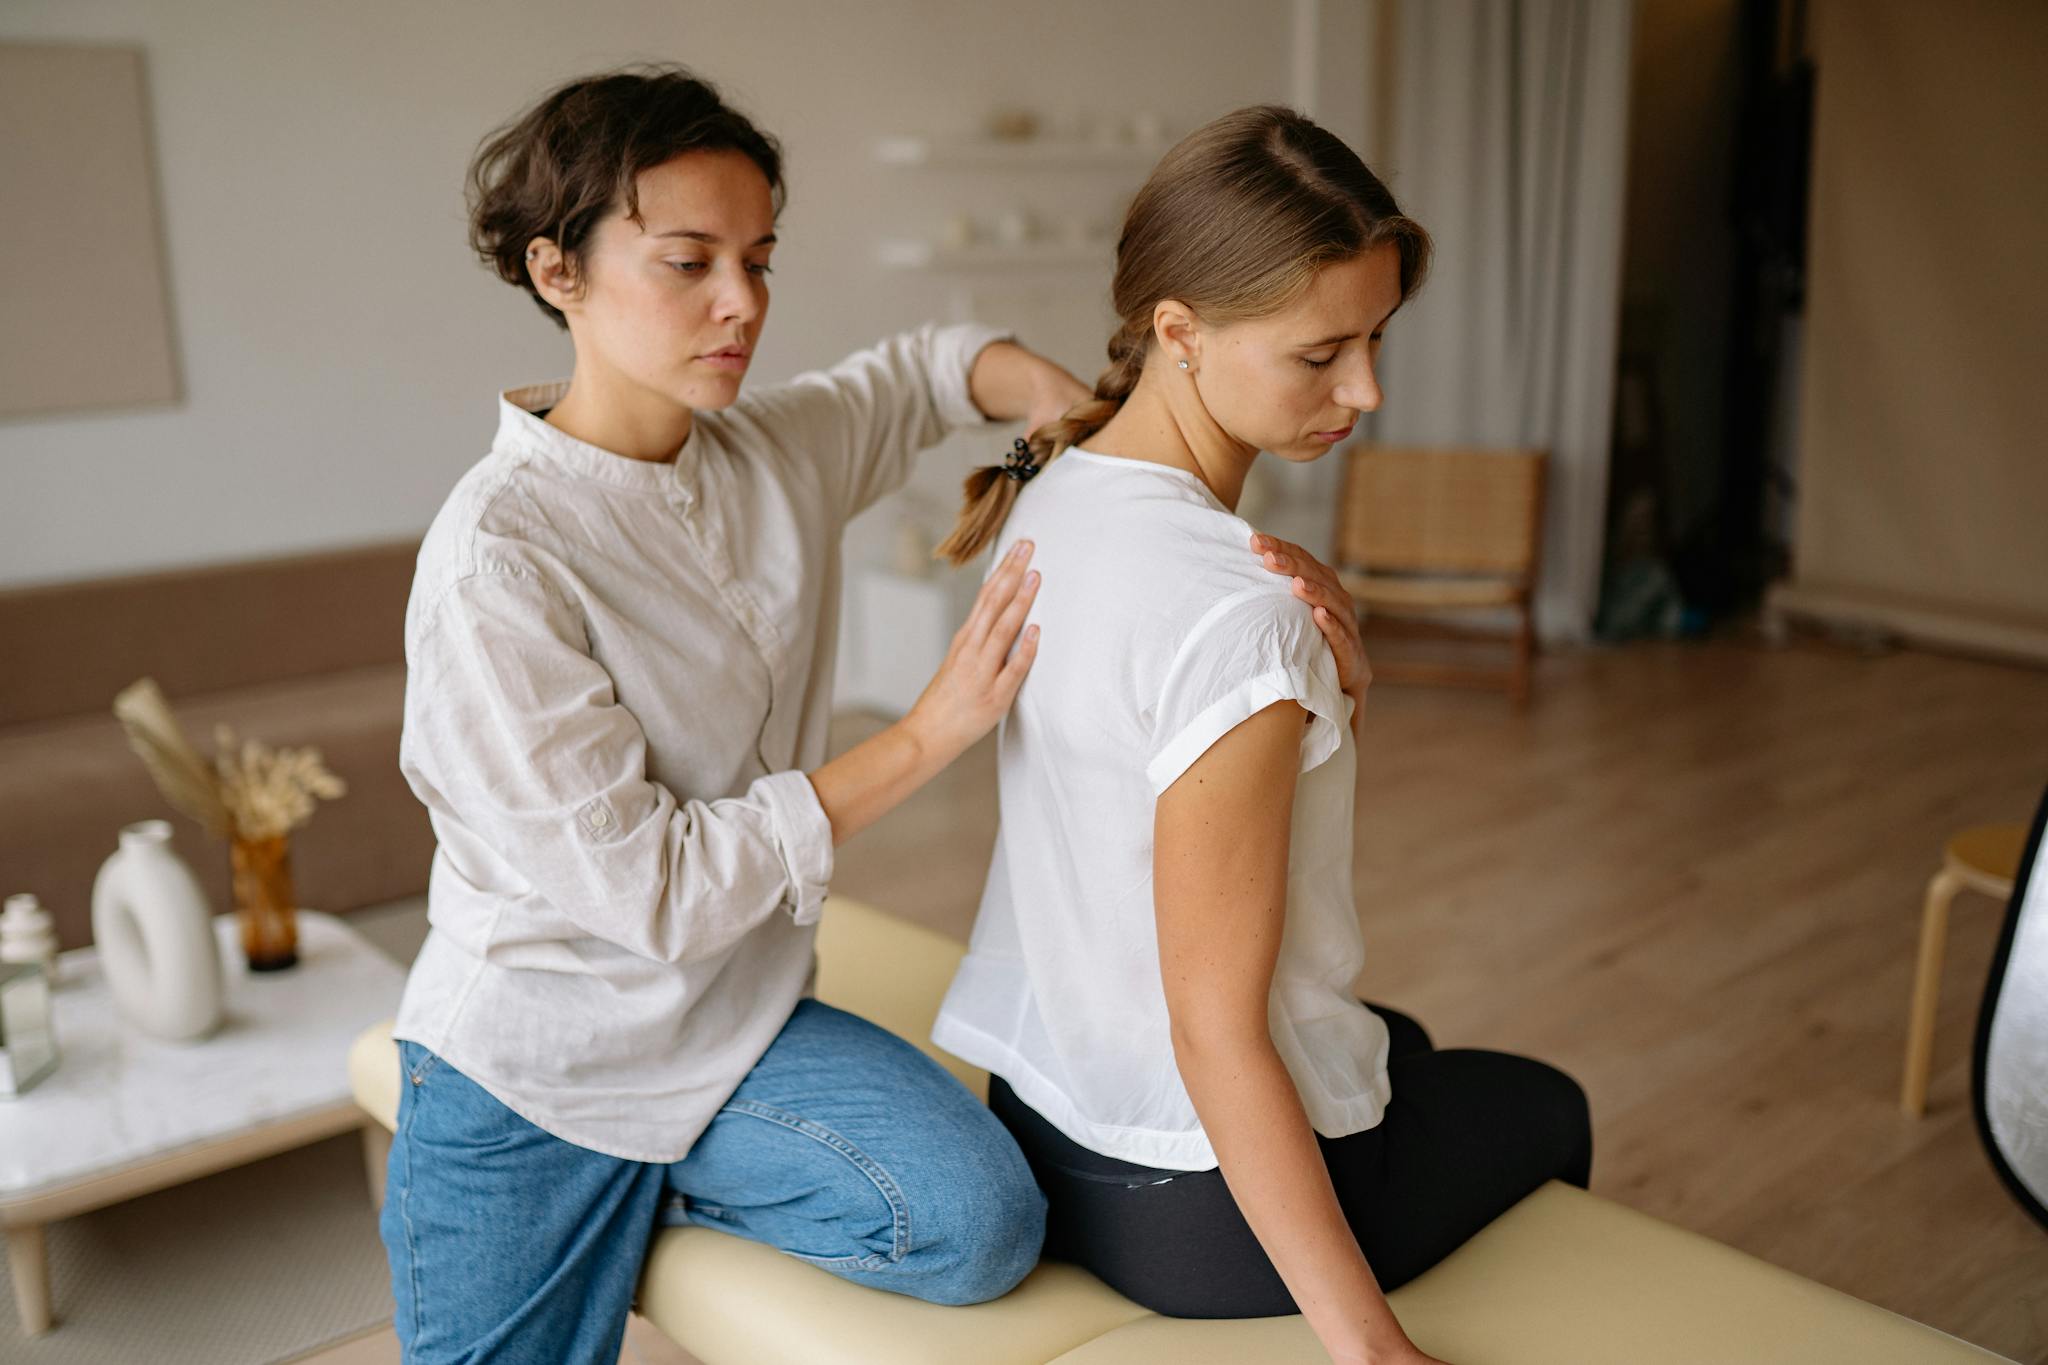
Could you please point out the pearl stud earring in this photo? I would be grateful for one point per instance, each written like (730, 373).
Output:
(1182, 363)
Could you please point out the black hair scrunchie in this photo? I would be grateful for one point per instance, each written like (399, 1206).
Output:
(1018, 464)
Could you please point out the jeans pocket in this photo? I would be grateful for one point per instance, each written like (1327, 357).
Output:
(416, 1062)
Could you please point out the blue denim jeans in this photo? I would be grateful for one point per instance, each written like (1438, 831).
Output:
(845, 1146)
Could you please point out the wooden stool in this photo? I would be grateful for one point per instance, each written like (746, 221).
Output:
(1981, 859)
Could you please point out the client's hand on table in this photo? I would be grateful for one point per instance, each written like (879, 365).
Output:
(1404, 1355)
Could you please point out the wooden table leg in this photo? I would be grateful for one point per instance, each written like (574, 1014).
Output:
(1926, 991)
(30, 1266)
(376, 1157)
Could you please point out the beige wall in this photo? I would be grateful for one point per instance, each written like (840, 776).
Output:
(340, 348)
(86, 323)
(1923, 455)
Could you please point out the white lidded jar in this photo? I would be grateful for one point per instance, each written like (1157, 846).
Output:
(154, 931)
(29, 934)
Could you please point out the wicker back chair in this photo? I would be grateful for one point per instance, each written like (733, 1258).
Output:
(1425, 533)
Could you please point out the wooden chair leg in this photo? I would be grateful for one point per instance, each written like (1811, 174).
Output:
(1941, 891)
(1525, 647)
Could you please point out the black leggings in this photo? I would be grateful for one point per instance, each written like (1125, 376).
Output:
(1466, 1135)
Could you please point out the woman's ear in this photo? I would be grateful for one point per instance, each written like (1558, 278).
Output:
(554, 279)
(1178, 333)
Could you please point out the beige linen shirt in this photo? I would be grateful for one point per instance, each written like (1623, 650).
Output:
(618, 672)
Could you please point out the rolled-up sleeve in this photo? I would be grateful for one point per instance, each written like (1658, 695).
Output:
(1247, 652)
(515, 740)
(869, 415)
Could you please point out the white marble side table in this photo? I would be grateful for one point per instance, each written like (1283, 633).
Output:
(125, 1114)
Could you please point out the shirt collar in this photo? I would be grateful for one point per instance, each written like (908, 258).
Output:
(521, 431)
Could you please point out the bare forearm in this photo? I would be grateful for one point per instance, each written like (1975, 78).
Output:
(984, 666)
(1010, 383)
(875, 776)
(1270, 1159)
(1219, 877)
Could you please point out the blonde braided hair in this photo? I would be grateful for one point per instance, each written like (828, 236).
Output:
(991, 491)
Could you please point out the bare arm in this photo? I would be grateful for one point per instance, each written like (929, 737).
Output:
(1220, 843)
(989, 655)
(1010, 383)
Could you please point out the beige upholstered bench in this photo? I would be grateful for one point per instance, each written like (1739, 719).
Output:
(1563, 1278)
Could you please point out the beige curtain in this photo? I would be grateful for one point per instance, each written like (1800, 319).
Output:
(1509, 142)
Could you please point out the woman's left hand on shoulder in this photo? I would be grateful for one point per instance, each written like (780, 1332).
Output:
(1316, 583)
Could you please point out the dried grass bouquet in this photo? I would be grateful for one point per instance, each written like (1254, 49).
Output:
(247, 791)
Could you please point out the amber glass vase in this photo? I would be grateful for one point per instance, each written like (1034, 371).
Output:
(265, 903)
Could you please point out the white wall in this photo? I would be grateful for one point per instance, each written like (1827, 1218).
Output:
(339, 347)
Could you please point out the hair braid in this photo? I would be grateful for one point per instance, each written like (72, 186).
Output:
(990, 492)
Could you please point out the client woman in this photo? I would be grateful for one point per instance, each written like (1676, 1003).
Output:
(1160, 978)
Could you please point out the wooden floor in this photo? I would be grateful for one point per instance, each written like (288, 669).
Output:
(1691, 876)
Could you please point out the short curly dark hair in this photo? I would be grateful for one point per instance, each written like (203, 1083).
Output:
(557, 169)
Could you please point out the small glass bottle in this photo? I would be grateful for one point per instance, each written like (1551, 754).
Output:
(29, 934)
(28, 1042)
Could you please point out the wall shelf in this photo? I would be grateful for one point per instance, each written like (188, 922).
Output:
(911, 254)
(1047, 152)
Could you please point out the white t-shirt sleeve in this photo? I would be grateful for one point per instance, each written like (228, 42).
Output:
(1250, 650)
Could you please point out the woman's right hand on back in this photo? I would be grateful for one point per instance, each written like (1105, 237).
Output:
(985, 664)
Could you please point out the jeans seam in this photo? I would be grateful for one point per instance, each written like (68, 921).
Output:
(885, 1185)
(412, 1253)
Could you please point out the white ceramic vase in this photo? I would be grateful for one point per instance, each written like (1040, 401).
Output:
(154, 930)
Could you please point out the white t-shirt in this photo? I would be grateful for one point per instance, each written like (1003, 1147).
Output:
(1162, 631)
